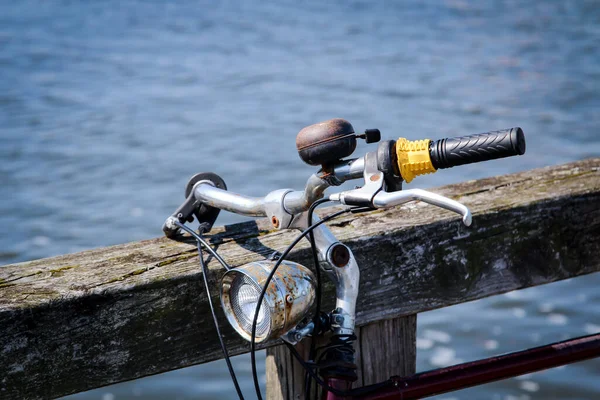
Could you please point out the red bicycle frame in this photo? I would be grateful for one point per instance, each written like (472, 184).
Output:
(475, 373)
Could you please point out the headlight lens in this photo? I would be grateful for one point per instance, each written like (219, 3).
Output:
(287, 300)
(244, 298)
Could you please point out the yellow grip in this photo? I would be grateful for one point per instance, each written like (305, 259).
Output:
(413, 158)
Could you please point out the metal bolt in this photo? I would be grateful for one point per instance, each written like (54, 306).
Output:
(180, 215)
(289, 298)
(275, 221)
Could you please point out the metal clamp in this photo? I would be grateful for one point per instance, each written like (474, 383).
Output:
(296, 335)
(275, 209)
(374, 181)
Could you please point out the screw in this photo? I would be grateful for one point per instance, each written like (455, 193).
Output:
(180, 215)
(289, 298)
(275, 221)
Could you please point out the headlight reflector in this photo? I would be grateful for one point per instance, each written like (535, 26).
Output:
(287, 300)
(244, 298)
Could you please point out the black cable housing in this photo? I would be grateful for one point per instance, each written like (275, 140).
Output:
(264, 290)
(200, 242)
(354, 392)
(317, 316)
(200, 239)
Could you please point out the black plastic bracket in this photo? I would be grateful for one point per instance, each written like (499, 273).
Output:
(190, 208)
(387, 162)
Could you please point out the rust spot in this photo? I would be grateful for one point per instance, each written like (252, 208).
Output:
(374, 178)
(340, 256)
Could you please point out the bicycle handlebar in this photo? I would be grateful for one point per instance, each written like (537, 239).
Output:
(411, 158)
(294, 201)
(451, 152)
(427, 156)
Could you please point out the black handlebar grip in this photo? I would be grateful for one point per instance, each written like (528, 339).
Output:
(446, 153)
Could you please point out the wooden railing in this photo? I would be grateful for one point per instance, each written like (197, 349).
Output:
(80, 321)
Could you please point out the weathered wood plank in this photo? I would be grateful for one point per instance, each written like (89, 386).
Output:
(385, 348)
(79, 321)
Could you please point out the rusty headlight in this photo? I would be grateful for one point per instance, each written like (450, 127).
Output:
(287, 300)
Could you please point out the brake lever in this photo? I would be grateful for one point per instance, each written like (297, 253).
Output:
(385, 199)
(373, 195)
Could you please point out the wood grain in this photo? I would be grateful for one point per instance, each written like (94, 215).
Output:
(386, 348)
(85, 320)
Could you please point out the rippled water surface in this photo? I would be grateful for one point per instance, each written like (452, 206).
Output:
(106, 109)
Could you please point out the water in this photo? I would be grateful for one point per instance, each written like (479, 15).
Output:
(107, 108)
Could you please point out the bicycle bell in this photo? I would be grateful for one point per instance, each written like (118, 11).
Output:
(288, 298)
(329, 141)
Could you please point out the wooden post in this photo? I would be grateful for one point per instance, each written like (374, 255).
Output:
(285, 375)
(383, 348)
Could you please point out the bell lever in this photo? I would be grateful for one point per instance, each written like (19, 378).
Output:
(370, 136)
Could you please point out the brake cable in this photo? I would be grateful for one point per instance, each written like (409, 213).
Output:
(266, 285)
(317, 316)
(200, 241)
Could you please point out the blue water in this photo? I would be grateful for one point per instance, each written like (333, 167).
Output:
(107, 108)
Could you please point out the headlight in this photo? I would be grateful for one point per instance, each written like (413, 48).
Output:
(287, 300)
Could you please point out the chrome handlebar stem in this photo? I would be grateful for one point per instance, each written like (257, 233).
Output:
(338, 262)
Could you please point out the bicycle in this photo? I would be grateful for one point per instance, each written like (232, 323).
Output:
(276, 298)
